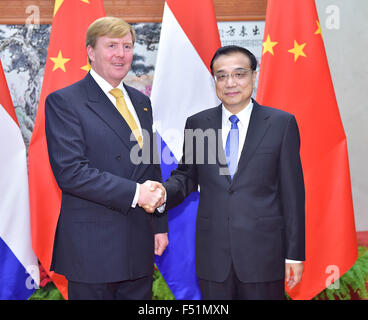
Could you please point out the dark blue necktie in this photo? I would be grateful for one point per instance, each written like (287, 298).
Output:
(232, 145)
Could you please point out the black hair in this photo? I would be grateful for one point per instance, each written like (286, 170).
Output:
(227, 50)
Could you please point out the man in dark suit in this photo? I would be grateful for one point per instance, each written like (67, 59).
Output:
(105, 242)
(250, 222)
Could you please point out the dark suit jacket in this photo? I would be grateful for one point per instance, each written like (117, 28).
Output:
(99, 237)
(256, 220)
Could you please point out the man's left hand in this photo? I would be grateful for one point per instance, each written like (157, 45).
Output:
(161, 242)
(293, 274)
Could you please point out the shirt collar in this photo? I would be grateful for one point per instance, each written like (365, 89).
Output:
(243, 115)
(104, 85)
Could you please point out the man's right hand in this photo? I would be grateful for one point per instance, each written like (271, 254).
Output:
(151, 195)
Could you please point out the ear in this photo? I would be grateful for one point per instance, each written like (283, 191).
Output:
(91, 53)
(254, 78)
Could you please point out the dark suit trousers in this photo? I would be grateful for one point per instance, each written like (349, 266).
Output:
(139, 289)
(233, 289)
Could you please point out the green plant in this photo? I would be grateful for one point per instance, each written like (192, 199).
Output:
(160, 290)
(353, 282)
(48, 292)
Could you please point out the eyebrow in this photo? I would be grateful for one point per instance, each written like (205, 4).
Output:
(116, 42)
(113, 40)
(240, 68)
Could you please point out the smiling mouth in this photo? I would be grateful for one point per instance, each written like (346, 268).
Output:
(231, 94)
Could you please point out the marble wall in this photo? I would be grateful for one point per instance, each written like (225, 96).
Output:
(23, 50)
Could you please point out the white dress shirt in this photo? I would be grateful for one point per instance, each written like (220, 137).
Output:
(244, 117)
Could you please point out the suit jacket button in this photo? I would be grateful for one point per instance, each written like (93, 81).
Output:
(231, 191)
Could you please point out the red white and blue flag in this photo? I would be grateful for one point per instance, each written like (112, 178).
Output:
(19, 274)
(182, 86)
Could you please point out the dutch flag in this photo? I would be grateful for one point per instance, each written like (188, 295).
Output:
(19, 274)
(182, 86)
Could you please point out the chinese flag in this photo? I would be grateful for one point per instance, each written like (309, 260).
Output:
(66, 63)
(295, 77)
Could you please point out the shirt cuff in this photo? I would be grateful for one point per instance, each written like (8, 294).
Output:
(292, 261)
(161, 209)
(136, 196)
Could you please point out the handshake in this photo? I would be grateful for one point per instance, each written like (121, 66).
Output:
(151, 195)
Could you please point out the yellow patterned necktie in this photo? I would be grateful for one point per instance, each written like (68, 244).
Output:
(124, 111)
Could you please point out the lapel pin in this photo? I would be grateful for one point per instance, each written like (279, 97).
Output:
(145, 109)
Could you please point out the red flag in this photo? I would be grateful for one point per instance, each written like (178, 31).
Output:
(295, 77)
(66, 63)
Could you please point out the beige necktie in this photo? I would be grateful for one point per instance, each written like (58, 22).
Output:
(124, 111)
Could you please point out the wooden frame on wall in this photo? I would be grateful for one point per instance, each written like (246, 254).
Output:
(17, 11)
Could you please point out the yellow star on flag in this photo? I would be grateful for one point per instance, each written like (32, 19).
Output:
(57, 6)
(59, 62)
(87, 67)
(268, 45)
(297, 50)
(318, 31)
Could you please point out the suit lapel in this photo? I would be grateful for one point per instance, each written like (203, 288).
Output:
(258, 126)
(143, 112)
(102, 106)
(215, 122)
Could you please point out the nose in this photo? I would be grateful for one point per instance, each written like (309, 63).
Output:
(229, 82)
(120, 52)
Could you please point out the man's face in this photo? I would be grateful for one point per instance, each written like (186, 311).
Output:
(111, 58)
(234, 84)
